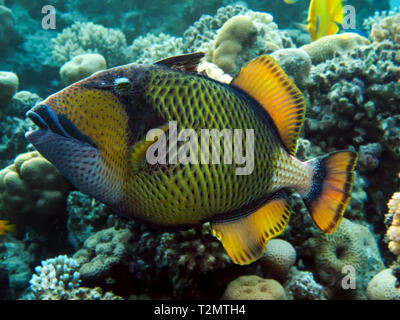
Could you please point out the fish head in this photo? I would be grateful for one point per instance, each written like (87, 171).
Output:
(83, 131)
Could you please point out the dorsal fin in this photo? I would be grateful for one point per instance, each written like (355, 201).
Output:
(266, 82)
(185, 62)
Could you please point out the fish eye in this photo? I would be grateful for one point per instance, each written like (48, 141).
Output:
(122, 85)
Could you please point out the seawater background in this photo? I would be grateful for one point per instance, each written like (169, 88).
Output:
(87, 252)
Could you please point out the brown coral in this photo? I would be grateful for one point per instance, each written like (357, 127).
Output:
(235, 35)
(32, 190)
(254, 288)
(328, 47)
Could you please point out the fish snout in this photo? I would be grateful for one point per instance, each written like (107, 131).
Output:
(46, 119)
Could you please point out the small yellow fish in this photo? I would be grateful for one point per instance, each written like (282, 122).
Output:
(290, 1)
(4, 227)
(324, 17)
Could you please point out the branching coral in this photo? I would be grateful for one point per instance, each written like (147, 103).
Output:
(387, 28)
(151, 48)
(199, 36)
(393, 232)
(59, 279)
(83, 38)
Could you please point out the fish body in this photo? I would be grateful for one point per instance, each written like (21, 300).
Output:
(5, 227)
(96, 132)
(290, 1)
(324, 17)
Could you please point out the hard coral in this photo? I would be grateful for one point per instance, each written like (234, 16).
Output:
(301, 285)
(59, 279)
(330, 46)
(236, 35)
(83, 38)
(102, 253)
(279, 257)
(32, 192)
(254, 288)
(383, 286)
(199, 36)
(296, 63)
(393, 232)
(8, 87)
(81, 66)
(350, 245)
(387, 28)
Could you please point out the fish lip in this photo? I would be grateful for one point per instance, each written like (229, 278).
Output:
(37, 119)
(46, 119)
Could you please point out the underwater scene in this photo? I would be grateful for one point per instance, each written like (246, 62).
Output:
(190, 150)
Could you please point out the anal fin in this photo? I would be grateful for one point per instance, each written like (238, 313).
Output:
(245, 238)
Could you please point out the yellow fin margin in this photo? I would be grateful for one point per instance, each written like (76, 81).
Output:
(266, 82)
(245, 239)
(328, 208)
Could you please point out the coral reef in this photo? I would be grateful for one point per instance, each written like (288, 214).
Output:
(83, 38)
(296, 63)
(350, 245)
(352, 89)
(102, 254)
(199, 36)
(383, 286)
(279, 257)
(331, 46)
(235, 36)
(387, 28)
(59, 279)
(254, 288)
(301, 285)
(258, 35)
(85, 217)
(8, 87)
(81, 66)
(151, 48)
(33, 192)
(393, 232)
(15, 267)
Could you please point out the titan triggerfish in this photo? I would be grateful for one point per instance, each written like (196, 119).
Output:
(100, 131)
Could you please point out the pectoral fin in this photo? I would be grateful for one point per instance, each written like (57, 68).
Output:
(245, 238)
(137, 153)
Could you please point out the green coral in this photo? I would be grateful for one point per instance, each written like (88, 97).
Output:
(350, 245)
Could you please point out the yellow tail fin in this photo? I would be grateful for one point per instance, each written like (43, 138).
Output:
(330, 193)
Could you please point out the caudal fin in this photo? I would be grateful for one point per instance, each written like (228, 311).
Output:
(331, 188)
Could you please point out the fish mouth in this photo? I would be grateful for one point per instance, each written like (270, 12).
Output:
(51, 123)
(44, 117)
